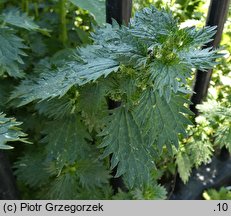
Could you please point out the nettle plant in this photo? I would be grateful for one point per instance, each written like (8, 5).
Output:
(145, 68)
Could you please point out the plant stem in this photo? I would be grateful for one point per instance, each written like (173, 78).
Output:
(1, 5)
(22, 5)
(25, 6)
(36, 10)
(63, 22)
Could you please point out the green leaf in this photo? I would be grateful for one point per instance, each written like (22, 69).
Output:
(223, 136)
(15, 18)
(200, 59)
(91, 64)
(219, 115)
(199, 151)
(150, 24)
(69, 136)
(10, 131)
(123, 139)
(63, 187)
(92, 174)
(152, 192)
(171, 52)
(161, 121)
(57, 108)
(66, 163)
(93, 115)
(221, 194)
(127, 49)
(30, 169)
(73, 153)
(184, 166)
(67, 186)
(198, 37)
(168, 78)
(96, 7)
(122, 195)
(95, 94)
(21, 20)
(11, 52)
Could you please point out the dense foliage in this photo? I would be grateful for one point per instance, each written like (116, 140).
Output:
(61, 95)
(212, 131)
(9, 131)
(222, 194)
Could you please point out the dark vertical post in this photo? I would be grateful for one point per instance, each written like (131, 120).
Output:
(217, 15)
(8, 189)
(120, 10)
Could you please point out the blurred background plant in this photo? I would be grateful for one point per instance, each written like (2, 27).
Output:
(221, 194)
